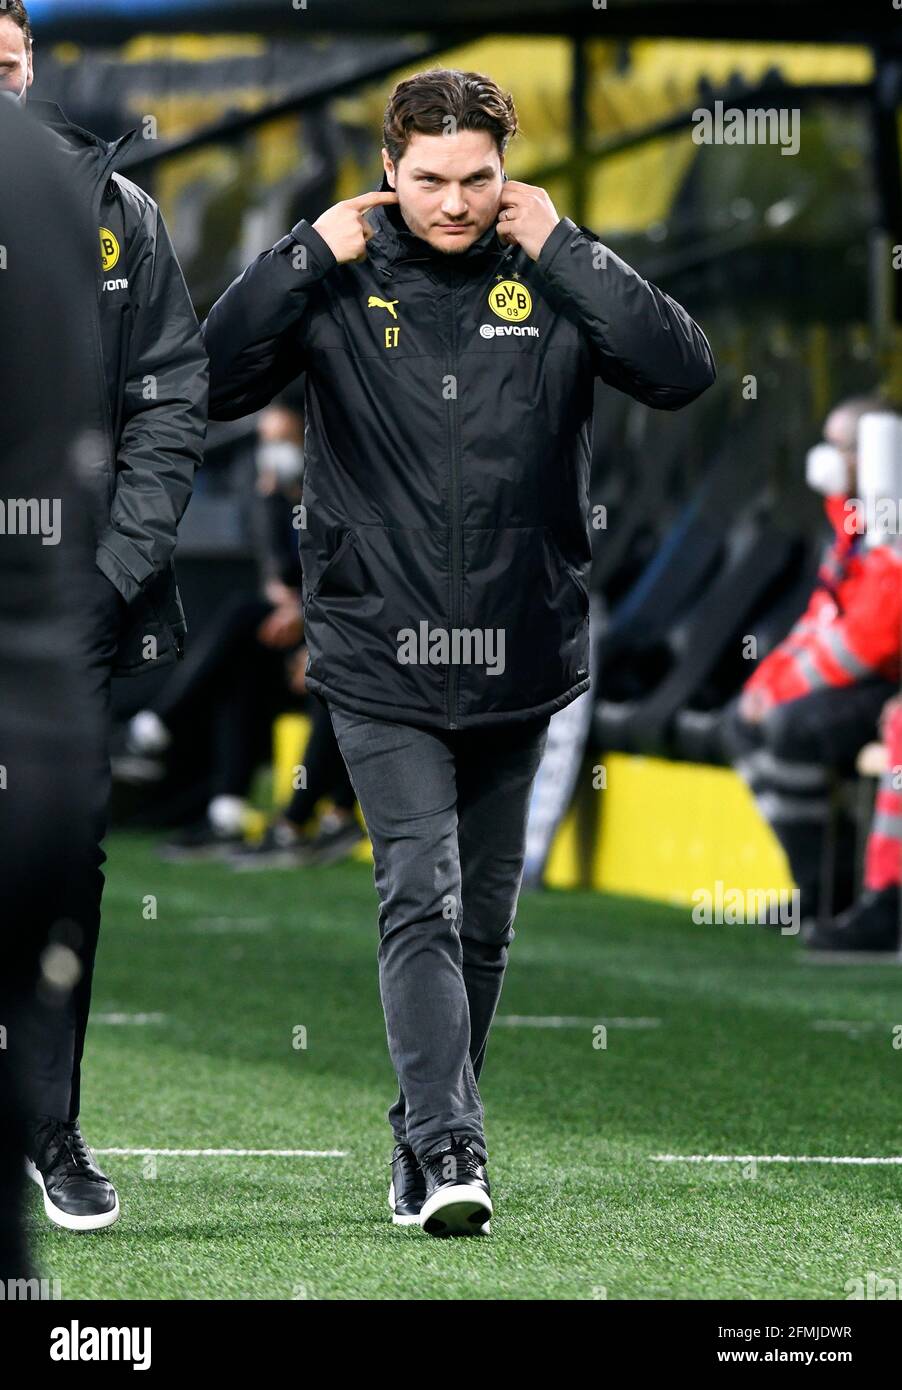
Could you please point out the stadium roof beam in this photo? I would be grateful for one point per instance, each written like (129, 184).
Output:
(882, 97)
(788, 21)
(312, 94)
(598, 149)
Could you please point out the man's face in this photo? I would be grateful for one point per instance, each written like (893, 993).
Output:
(16, 74)
(449, 187)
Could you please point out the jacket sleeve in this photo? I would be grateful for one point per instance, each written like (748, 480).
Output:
(642, 341)
(862, 643)
(769, 672)
(163, 414)
(254, 331)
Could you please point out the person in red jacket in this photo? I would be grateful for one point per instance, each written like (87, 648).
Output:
(872, 922)
(848, 632)
(815, 700)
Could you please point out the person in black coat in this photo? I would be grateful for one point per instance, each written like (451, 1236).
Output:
(50, 727)
(452, 327)
(146, 376)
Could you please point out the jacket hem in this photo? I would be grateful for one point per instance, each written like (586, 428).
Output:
(168, 657)
(395, 714)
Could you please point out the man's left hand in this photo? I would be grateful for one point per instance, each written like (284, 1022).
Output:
(527, 217)
(283, 627)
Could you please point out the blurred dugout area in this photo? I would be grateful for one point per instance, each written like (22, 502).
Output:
(707, 535)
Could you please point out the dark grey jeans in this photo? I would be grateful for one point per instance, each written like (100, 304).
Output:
(446, 811)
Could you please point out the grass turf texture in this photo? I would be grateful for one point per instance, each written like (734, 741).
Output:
(236, 962)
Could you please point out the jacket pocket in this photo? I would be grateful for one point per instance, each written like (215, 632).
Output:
(334, 580)
(567, 571)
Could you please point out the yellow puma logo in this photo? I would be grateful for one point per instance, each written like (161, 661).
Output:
(375, 302)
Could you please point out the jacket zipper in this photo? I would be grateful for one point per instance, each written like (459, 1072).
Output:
(104, 176)
(106, 406)
(456, 533)
(456, 529)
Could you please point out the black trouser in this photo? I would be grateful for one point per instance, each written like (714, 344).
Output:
(788, 760)
(57, 1017)
(446, 811)
(227, 692)
(50, 736)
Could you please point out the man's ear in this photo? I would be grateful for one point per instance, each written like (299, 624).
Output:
(389, 168)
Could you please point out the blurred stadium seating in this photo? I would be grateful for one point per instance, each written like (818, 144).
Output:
(258, 116)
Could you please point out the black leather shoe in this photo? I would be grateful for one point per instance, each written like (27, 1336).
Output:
(408, 1187)
(457, 1192)
(871, 924)
(77, 1195)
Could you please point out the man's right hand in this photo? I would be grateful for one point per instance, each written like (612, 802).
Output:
(344, 227)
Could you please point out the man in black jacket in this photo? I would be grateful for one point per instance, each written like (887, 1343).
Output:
(451, 347)
(147, 421)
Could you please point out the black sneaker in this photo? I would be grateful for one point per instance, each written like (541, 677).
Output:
(871, 924)
(199, 842)
(408, 1187)
(336, 838)
(282, 847)
(77, 1195)
(457, 1192)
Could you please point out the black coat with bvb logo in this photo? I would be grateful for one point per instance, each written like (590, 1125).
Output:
(147, 410)
(446, 490)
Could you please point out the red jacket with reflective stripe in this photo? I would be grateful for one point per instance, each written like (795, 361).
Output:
(883, 860)
(850, 631)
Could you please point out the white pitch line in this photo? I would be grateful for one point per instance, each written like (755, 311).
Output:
(846, 1025)
(771, 1158)
(227, 1153)
(567, 1021)
(230, 924)
(139, 1019)
(828, 958)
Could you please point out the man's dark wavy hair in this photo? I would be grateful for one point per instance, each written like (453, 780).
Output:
(16, 11)
(422, 104)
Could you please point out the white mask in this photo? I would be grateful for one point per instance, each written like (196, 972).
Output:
(281, 457)
(826, 471)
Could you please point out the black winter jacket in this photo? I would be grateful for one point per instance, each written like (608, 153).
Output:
(149, 413)
(445, 541)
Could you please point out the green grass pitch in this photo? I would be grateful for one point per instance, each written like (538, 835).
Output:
(752, 1055)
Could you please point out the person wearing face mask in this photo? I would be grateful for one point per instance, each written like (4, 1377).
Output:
(147, 404)
(216, 710)
(815, 699)
(872, 923)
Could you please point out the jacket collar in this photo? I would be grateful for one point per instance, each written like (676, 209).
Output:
(106, 153)
(394, 244)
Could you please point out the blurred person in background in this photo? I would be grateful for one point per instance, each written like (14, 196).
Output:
(289, 842)
(815, 700)
(245, 669)
(149, 386)
(451, 325)
(872, 921)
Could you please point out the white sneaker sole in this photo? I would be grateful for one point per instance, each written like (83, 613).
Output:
(457, 1210)
(63, 1218)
